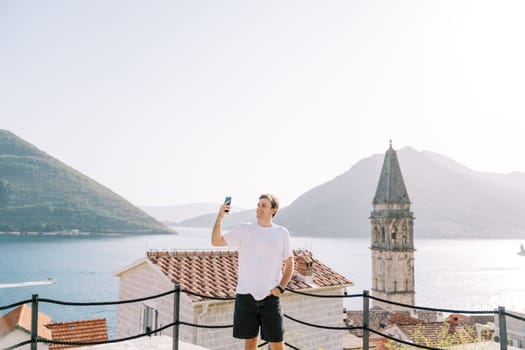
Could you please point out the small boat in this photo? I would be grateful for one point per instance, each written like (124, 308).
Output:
(522, 250)
(45, 282)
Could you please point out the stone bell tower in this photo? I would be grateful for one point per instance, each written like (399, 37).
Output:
(392, 248)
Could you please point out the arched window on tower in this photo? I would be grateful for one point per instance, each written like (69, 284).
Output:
(375, 234)
(393, 234)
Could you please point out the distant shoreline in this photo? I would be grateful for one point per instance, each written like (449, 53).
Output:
(78, 233)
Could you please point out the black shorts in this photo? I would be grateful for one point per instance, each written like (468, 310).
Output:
(250, 314)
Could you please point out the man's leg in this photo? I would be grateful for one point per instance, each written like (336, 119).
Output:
(251, 344)
(272, 323)
(276, 345)
(246, 320)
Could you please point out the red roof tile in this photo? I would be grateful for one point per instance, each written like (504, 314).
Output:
(214, 273)
(78, 331)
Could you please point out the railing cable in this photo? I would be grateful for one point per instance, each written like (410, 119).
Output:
(285, 343)
(321, 326)
(70, 303)
(325, 295)
(10, 306)
(27, 342)
(514, 316)
(479, 312)
(149, 333)
(206, 296)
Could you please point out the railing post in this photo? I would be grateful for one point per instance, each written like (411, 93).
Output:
(176, 314)
(34, 321)
(366, 317)
(502, 328)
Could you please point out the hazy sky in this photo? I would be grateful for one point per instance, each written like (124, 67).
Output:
(171, 102)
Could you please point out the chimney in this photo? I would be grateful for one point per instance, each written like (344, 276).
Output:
(303, 266)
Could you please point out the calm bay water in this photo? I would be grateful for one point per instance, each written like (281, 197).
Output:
(452, 274)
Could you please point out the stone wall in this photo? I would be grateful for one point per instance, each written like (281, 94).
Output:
(393, 277)
(321, 311)
(515, 329)
(143, 281)
(215, 313)
(18, 336)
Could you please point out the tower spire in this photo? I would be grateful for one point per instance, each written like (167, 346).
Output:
(391, 187)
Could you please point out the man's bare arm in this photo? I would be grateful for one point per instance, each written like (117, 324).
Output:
(287, 272)
(287, 275)
(217, 240)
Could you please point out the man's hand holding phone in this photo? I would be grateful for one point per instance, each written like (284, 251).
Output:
(227, 203)
(217, 239)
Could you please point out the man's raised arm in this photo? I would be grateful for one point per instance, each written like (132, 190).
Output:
(217, 240)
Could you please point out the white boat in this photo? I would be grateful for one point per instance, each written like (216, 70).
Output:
(522, 250)
(45, 282)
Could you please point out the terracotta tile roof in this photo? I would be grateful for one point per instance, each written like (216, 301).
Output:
(403, 319)
(78, 331)
(20, 318)
(435, 333)
(378, 318)
(461, 319)
(214, 273)
(457, 329)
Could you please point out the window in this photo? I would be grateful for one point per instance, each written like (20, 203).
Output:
(148, 318)
(394, 231)
(516, 342)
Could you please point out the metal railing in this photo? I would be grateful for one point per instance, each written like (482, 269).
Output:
(35, 301)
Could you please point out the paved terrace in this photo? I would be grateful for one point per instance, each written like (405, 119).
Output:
(162, 342)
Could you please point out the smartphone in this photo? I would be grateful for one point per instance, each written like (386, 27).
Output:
(228, 200)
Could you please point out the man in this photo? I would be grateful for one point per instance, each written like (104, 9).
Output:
(263, 248)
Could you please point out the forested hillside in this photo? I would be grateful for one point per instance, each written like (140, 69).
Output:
(38, 193)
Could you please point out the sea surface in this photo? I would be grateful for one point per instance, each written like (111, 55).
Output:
(475, 274)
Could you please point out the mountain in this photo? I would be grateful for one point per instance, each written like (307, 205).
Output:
(235, 217)
(178, 213)
(448, 201)
(38, 193)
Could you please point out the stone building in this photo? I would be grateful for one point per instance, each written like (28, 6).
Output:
(214, 273)
(515, 329)
(15, 328)
(392, 248)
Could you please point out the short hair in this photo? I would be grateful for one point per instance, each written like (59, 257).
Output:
(273, 199)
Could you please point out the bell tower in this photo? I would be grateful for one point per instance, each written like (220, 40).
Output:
(392, 248)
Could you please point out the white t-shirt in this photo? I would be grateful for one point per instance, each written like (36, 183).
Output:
(262, 251)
